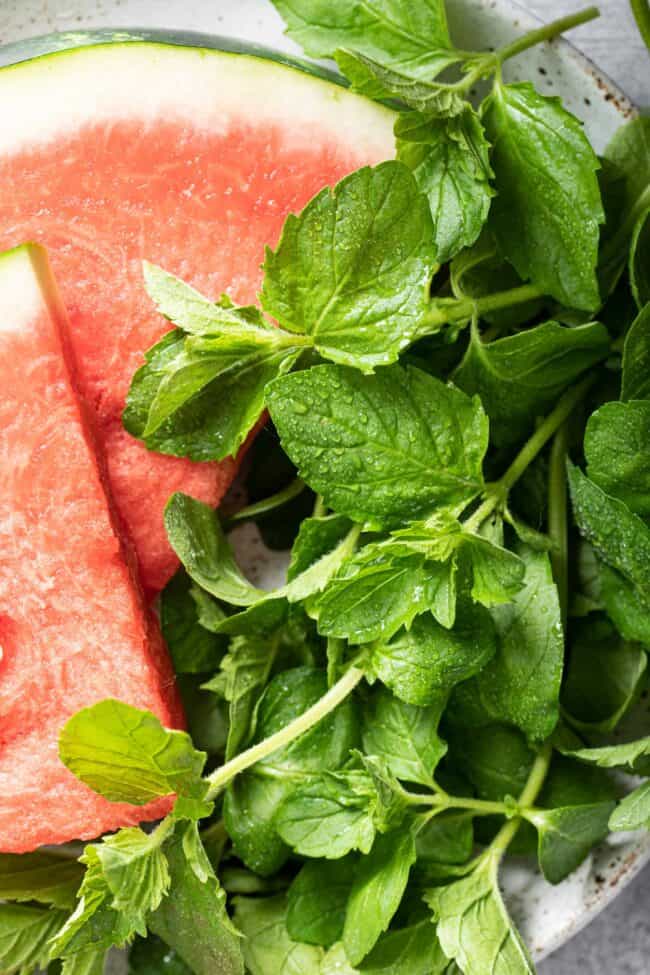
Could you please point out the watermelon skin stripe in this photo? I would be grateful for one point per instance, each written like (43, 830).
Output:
(74, 627)
(190, 159)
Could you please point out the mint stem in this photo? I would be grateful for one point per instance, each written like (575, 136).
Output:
(641, 11)
(336, 694)
(452, 311)
(557, 517)
(498, 491)
(547, 33)
(532, 789)
(443, 802)
(276, 500)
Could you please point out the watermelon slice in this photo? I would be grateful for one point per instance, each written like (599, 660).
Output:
(190, 158)
(73, 626)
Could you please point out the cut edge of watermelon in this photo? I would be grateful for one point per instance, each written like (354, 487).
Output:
(145, 78)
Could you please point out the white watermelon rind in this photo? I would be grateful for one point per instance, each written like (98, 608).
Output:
(105, 76)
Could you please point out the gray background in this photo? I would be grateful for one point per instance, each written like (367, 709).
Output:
(617, 942)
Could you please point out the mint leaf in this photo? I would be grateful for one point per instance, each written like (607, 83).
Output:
(521, 684)
(199, 394)
(547, 211)
(617, 450)
(410, 39)
(254, 798)
(414, 950)
(449, 157)
(497, 574)
(25, 934)
(422, 664)
(194, 650)
(566, 836)
(353, 269)
(135, 869)
(316, 538)
(633, 812)
(374, 80)
(496, 761)
(404, 736)
(603, 678)
(518, 378)
(213, 945)
(623, 757)
(640, 261)
(448, 838)
(330, 815)
(195, 534)
(89, 962)
(317, 900)
(43, 877)
(382, 448)
(245, 671)
(126, 755)
(193, 312)
(200, 397)
(374, 594)
(378, 888)
(628, 155)
(474, 928)
(267, 945)
(636, 358)
(96, 924)
(618, 536)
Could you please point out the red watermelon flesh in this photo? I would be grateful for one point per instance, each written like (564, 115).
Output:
(188, 158)
(73, 625)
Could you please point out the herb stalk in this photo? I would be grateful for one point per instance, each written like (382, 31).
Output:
(262, 507)
(531, 790)
(222, 776)
(557, 517)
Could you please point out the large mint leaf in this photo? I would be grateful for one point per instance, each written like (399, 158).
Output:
(603, 677)
(410, 38)
(413, 950)
(566, 836)
(474, 928)
(521, 684)
(126, 755)
(384, 448)
(520, 377)
(379, 886)
(618, 536)
(404, 736)
(317, 899)
(352, 271)
(628, 158)
(547, 211)
(450, 159)
(422, 664)
(617, 450)
(193, 648)
(330, 815)
(375, 594)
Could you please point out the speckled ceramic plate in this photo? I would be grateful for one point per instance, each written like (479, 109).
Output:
(548, 916)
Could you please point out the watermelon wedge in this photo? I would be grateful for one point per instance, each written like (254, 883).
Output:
(190, 158)
(73, 625)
